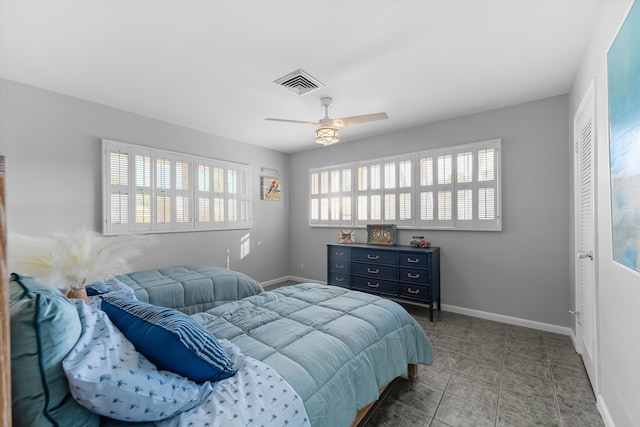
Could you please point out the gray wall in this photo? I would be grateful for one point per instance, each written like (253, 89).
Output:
(52, 144)
(522, 271)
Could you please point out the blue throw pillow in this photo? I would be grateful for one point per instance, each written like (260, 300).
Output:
(170, 339)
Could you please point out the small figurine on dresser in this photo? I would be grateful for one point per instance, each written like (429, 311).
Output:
(419, 242)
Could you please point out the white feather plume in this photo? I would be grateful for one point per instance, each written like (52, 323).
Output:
(74, 260)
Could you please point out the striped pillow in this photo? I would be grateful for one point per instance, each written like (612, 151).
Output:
(170, 339)
(97, 288)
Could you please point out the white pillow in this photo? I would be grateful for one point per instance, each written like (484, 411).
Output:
(107, 375)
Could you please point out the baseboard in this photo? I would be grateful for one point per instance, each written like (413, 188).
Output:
(574, 340)
(285, 278)
(562, 330)
(547, 327)
(604, 412)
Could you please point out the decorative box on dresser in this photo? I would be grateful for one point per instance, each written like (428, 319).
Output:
(399, 272)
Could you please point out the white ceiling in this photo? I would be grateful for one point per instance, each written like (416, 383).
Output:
(210, 65)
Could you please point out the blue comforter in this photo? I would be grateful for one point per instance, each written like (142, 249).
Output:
(190, 288)
(335, 347)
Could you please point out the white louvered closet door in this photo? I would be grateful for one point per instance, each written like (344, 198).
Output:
(586, 304)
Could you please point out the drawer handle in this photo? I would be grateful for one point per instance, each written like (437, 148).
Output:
(413, 260)
(373, 271)
(373, 256)
(373, 285)
(339, 265)
(339, 279)
(414, 291)
(339, 253)
(413, 276)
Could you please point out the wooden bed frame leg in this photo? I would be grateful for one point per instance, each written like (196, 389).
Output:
(412, 371)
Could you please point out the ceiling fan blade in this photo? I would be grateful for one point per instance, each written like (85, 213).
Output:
(293, 121)
(354, 120)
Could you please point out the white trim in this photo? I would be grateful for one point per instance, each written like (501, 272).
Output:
(547, 327)
(586, 110)
(574, 340)
(604, 412)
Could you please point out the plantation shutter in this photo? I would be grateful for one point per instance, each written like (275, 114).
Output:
(444, 188)
(118, 188)
(204, 202)
(182, 168)
(330, 196)
(244, 196)
(143, 209)
(369, 183)
(488, 182)
(426, 215)
(164, 192)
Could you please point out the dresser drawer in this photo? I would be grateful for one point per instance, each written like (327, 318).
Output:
(338, 279)
(374, 285)
(413, 275)
(375, 271)
(339, 253)
(414, 259)
(421, 293)
(339, 266)
(374, 256)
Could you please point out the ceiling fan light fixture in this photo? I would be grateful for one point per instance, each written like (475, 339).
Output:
(327, 135)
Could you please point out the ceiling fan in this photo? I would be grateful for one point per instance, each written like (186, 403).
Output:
(327, 133)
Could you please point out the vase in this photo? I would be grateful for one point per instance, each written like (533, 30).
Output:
(78, 294)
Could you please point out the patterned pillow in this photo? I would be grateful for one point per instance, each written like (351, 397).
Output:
(170, 339)
(107, 375)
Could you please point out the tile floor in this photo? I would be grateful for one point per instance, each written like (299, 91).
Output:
(487, 373)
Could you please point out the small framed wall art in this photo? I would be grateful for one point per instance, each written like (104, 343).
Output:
(346, 236)
(382, 234)
(270, 188)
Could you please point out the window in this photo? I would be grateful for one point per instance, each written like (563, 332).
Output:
(148, 190)
(449, 188)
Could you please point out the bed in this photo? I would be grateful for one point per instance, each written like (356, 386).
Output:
(328, 351)
(190, 288)
(337, 348)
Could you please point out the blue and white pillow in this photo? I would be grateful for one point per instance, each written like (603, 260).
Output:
(114, 288)
(107, 375)
(170, 339)
(97, 288)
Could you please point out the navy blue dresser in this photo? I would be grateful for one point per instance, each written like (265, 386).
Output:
(399, 272)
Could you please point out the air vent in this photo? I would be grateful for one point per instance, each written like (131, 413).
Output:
(299, 82)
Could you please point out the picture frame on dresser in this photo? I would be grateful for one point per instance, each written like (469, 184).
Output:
(382, 234)
(346, 236)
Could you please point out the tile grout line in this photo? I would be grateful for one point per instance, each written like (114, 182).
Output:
(504, 356)
(553, 384)
(444, 390)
